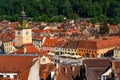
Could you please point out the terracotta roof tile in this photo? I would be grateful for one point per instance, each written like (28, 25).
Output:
(87, 44)
(99, 43)
(46, 69)
(117, 64)
(94, 62)
(27, 49)
(15, 63)
(95, 67)
(24, 75)
(116, 68)
(60, 43)
(50, 42)
(7, 37)
(71, 44)
(70, 31)
(69, 74)
(13, 25)
(37, 31)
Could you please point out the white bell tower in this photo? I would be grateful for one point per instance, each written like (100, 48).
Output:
(23, 34)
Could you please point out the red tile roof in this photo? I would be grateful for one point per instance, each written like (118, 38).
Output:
(95, 67)
(50, 42)
(116, 64)
(28, 49)
(45, 70)
(60, 43)
(43, 51)
(100, 43)
(94, 62)
(116, 68)
(47, 30)
(13, 25)
(17, 64)
(7, 37)
(71, 44)
(69, 74)
(24, 75)
(37, 31)
(70, 31)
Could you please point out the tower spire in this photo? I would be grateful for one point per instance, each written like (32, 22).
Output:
(23, 21)
(23, 12)
(23, 15)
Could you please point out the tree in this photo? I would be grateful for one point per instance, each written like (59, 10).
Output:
(104, 29)
(14, 17)
(71, 9)
(101, 19)
(116, 20)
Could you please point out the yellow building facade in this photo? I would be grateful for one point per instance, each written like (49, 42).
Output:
(8, 47)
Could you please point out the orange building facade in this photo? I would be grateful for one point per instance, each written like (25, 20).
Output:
(87, 52)
(98, 47)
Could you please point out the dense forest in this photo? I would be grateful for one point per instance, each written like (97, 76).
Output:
(56, 10)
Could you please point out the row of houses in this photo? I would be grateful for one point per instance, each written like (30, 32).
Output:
(85, 48)
(94, 48)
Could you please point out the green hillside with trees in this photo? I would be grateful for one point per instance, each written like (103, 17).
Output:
(56, 10)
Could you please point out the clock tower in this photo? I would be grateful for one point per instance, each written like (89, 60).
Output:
(23, 34)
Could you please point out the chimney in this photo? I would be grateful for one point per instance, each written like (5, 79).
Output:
(73, 68)
(57, 66)
(65, 69)
(52, 75)
(25, 50)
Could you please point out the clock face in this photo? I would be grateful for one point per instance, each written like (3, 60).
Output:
(27, 33)
(18, 33)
